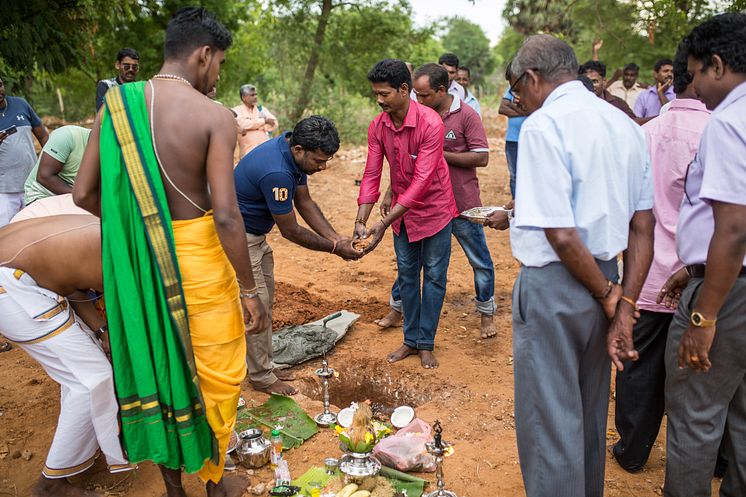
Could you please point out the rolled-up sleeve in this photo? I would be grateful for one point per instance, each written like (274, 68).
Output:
(371, 182)
(425, 165)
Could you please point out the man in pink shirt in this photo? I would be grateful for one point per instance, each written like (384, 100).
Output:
(255, 122)
(465, 149)
(672, 140)
(410, 136)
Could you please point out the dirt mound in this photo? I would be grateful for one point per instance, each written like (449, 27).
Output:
(294, 305)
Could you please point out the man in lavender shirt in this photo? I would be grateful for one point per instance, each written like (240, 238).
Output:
(672, 141)
(648, 104)
(706, 348)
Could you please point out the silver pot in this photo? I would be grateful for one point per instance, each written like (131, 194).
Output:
(253, 449)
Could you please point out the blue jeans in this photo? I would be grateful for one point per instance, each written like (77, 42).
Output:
(421, 307)
(511, 154)
(472, 240)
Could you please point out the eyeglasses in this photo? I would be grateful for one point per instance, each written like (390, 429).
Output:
(134, 67)
(512, 87)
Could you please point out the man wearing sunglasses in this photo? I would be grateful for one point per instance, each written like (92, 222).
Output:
(127, 65)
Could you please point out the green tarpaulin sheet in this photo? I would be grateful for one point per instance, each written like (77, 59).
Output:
(296, 425)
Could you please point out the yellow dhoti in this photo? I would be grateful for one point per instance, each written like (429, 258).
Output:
(216, 327)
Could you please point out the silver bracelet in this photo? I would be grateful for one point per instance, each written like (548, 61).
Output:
(249, 295)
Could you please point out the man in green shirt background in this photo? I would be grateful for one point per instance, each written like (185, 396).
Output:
(58, 163)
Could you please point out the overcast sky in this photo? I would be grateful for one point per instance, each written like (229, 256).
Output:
(486, 13)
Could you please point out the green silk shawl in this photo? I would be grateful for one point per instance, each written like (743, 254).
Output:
(161, 408)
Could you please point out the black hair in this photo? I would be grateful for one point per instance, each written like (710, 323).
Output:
(593, 65)
(681, 77)
(723, 35)
(192, 27)
(436, 74)
(508, 72)
(661, 63)
(465, 69)
(449, 59)
(127, 52)
(586, 82)
(316, 133)
(391, 71)
(632, 67)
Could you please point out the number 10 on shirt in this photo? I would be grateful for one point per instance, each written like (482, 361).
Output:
(281, 194)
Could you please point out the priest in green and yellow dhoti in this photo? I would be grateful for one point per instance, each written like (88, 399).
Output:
(175, 273)
(172, 301)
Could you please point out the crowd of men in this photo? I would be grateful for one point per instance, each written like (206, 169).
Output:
(183, 262)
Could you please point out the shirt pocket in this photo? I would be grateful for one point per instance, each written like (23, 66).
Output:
(406, 170)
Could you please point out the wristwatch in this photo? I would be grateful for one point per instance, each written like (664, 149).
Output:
(698, 320)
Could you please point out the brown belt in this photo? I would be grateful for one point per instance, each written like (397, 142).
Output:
(698, 271)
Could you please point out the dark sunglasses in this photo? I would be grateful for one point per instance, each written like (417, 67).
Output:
(134, 67)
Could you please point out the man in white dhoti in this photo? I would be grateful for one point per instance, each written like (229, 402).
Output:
(43, 261)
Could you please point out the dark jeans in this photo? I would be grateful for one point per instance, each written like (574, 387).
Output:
(471, 238)
(425, 260)
(511, 154)
(639, 392)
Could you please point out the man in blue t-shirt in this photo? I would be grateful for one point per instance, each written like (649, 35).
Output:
(18, 122)
(271, 183)
(516, 115)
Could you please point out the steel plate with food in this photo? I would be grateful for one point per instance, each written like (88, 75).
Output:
(479, 214)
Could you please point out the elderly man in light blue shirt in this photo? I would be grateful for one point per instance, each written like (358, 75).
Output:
(584, 195)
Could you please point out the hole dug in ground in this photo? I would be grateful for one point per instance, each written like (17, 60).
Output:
(372, 381)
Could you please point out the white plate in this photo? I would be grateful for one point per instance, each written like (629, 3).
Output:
(344, 418)
(402, 416)
(479, 214)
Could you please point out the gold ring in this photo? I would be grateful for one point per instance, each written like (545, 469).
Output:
(694, 358)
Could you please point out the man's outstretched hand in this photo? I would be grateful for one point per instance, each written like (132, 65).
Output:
(346, 250)
(374, 235)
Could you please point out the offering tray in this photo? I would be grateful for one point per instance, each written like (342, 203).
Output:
(479, 214)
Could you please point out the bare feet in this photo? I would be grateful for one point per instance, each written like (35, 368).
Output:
(401, 353)
(278, 387)
(60, 487)
(427, 359)
(393, 318)
(488, 326)
(228, 486)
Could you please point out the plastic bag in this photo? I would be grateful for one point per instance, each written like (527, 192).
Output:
(405, 451)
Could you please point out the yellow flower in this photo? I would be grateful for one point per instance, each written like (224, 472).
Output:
(368, 437)
(338, 429)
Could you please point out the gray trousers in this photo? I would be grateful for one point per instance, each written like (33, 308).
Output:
(702, 408)
(259, 346)
(562, 374)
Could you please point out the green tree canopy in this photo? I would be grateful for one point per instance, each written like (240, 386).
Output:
(468, 41)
